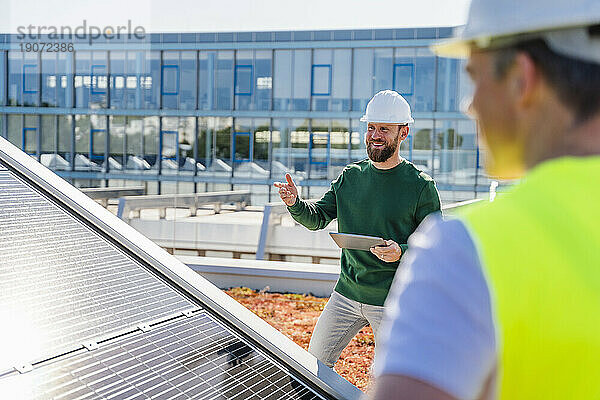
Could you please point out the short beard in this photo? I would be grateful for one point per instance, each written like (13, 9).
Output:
(383, 154)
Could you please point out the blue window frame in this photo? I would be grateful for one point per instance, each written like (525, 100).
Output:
(250, 147)
(311, 147)
(404, 82)
(162, 145)
(92, 155)
(94, 83)
(167, 84)
(25, 86)
(243, 80)
(320, 80)
(24, 138)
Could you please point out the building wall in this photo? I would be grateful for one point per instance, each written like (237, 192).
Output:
(195, 112)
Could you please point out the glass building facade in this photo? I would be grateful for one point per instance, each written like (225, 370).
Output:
(185, 112)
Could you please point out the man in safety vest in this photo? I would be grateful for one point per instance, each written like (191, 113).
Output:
(504, 301)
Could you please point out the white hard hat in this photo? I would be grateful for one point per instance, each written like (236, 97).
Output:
(561, 23)
(388, 107)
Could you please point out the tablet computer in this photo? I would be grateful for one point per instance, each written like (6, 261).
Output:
(356, 242)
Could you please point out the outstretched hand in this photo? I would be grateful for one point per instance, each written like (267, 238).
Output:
(287, 190)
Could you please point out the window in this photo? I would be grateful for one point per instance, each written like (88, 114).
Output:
(424, 80)
(243, 80)
(384, 62)
(362, 80)
(91, 80)
(206, 85)
(341, 79)
(30, 134)
(403, 79)
(48, 134)
(321, 80)
(301, 80)
(224, 80)
(189, 76)
(282, 94)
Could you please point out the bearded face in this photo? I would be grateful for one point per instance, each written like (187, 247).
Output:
(381, 148)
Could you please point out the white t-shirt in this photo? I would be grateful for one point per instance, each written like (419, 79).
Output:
(438, 324)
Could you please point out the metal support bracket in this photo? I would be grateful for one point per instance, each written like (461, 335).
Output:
(24, 368)
(91, 345)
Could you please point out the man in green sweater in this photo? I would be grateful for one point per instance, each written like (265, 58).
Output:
(383, 195)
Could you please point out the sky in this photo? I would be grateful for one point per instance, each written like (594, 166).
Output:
(233, 15)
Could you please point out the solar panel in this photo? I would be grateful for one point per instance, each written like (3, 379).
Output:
(188, 358)
(89, 308)
(62, 284)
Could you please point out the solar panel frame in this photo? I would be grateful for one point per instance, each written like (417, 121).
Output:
(312, 372)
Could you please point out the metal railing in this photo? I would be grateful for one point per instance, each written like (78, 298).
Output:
(105, 194)
(274, 211)
(127, 204)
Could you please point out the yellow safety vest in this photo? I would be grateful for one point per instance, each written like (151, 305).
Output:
(540, 250)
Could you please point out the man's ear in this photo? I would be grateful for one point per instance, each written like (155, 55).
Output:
(525, 77)
(403, 132)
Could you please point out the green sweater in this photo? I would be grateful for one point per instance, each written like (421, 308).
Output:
(369, 201)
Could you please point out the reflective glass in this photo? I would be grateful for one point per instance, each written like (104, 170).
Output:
(31, 84)
(30, 134)
(23, 83)
(321, 79)
(422, 150)
(340, 87)
(362, 80)
(299, 143)
(134, 137)
(242, 140)
(48, 133)
(357, 140)
(150, 130)
(301, 81)
(264, 79)
(424, 80)
(50, 79)
(133, 79)
(447, 84)
(15, 129)
(150, 80)
(282, 93)
(118, 79)
(223, 139)
(280, 142)
(384, 68)
(170, 79)
(91, 80)
(340, 144)
(404, 74)
(189, 74)
(204, 141)
(262, 137)
(224, 81)
(206, 85)
(65, 133)
(319, 148)
(456, 153)
(244, 71)
(3, 81)
(117, 142)
(82, 143)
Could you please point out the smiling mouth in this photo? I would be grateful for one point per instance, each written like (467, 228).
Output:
(377, 144)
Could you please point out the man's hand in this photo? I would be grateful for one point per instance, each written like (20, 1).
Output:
(287, 191)
(391, 252)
